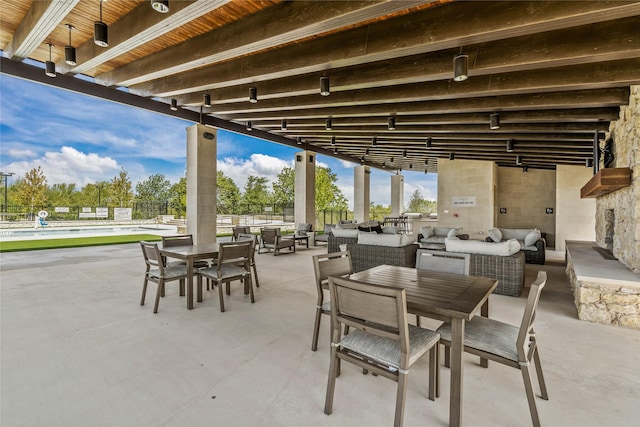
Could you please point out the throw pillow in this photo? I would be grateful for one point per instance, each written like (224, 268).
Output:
(407, 239)
(426, 231)
(361, 228)
(345, 232)
(531, 238)
(495, 234)
(377, 229)
(452, 233)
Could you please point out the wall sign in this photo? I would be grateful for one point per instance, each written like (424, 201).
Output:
(464, 202)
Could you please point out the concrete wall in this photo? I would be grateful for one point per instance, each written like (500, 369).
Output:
(201, 183)
(462, 181)
(526, 196)
(625, 202)
(575, 217)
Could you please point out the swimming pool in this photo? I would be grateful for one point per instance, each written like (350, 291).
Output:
(64, 232)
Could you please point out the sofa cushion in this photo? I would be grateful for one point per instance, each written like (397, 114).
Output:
(495, 234)
(506, 248)
(426, 231)
(392, 240)
(531, 238)
(408, 239)
(452, 233)
(514, 233)
(390, 229)
(345, 232)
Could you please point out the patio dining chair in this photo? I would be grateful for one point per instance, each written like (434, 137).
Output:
(325, 265)
(507, 344)
(234, 259)
(157, 272)
(254, 246)
(382, 342)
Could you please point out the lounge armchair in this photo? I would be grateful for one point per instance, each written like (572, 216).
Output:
(325, 237)
(271, 240)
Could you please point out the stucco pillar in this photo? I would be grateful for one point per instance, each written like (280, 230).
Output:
(201, 183)
(305, 197)
(397, 195)
(361, 192)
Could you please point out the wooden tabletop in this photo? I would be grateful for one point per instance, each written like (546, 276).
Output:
(445, 294)
(191, 251)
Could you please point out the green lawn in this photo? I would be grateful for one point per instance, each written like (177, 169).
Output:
(75, 242)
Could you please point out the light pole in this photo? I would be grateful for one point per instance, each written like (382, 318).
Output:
(6, 178)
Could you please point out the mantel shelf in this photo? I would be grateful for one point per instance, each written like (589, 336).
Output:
(606, 181)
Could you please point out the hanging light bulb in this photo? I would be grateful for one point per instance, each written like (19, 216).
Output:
(335, 150)
(404, 154)
(100, 31)
(460, 67)
(333, 140)
(392, 123)
(327, 124)
(283, 125)
(249, 126)
(50, 66)
(207, 100)
(452, 156)
(494, 121)
(324, 86)
(253, 94)
(510, 146)
(174, 105)
(70, 51)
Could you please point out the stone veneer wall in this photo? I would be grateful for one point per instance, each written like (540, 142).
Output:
(626, 201)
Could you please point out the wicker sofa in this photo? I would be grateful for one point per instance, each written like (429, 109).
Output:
(534, 252)
(368, 256)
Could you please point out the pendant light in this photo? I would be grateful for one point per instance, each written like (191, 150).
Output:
(518, 160)
(429, 142)
(283, 125)
(100, 31)
(327, 124)
(333, 140)
(510, 146)
(324, 86)
(299, 141)
(161, 6)
(50, 66)
(452, 156)
(174, 104)
(404, 154)
(392, 123)
(249, 126)
(374, 141)
(494, 120)
(253, 94)
(366, 152)
(335, 150)
(588, 163)
(70, 51)
(525, 169)
(461, 67)
(207, 100)
(384, 165)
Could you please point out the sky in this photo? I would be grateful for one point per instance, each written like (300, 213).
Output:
(81, 139)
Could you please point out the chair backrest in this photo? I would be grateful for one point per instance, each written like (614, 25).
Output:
(526, 333)
(234, 253)
(333, 264)
(269, 235)
(240, 229)
(180, 240)
(251, 238)
(442, 261)
(303, 229)
(152, 257)
(375, 309)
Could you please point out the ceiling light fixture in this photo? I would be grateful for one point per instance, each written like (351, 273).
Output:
(249, 125)
(404, 154)
(366, 152)
(70, 51)
(362, 159)
(410, 165)
(426, 162)
(299, 141)
(333, 140)
(452, 156)
(392, 123)
(510, 146)
(460, 67)
(374, 141)
(50, 66)
(335, 150)
(391, 161)
(324, 86)
(494, 120)
(588, 163)
(174, 104)
(100, 31)
(384, 165)
(207, 100)
(525, 169)
(253, 94)
(327, 124)
(283, 125)
(161, 6)
(429, 142)
(426, 171)
(518, 160)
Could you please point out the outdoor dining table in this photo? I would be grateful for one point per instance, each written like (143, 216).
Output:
(189, 254)
(443, 296)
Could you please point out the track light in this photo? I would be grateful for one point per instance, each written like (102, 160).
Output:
(525, 169)
(249, 125)
(100, 31)
(404, 154)
(588, 163)
(70, 51)
(253, 94)
(161, 6)
(494, 119)
(50, 66)
(174, 104)
(452, 156)
(374, 141)
(429, 141)
(324, 86)
(335, 150)
(518, 160)
(207, 100)
(460, 68)
(510, 146)
(327, 124)
(366, 152)
(333, 140)
(283, 125)
(392, 123)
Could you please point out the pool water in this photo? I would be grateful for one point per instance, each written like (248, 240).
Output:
(62, 232)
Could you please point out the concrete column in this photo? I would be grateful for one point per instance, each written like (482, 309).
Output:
(201, 183)
(397, 195)
(305, 197)
(361, 192)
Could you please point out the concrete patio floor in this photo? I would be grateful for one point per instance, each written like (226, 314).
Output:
(77, 349)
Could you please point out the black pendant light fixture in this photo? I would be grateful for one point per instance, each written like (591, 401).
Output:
(362, 159)
(429, 142)
(253, 94)
(404, 154)
(174, 104)
(410, 165)
(249, 126)
(70, 51)
(519, 160)
(283, 125)
(525, 169)
(460, 67)
(391, 161)
(333, 140)
(494, 121)
(392, 123)
(384, 165)
(452, 156)
(510, 146)
(100, 31)
(366, 152)
(324, 86)
(50, 66)
(335, 150)
(374, 141)
(299, 141)
(328, 124)
(588, 162)
(207, 100)
(161, 6)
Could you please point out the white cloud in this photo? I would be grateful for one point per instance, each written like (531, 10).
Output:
(258, 165)
(21, 153)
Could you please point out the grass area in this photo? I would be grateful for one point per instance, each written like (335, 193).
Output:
(74, 242)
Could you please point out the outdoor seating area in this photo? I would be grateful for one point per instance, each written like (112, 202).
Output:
(95, 356)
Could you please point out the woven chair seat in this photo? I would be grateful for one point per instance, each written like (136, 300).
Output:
(487, 335)
(387, 350)
(326, 306)
(227, 271)
(170, 272)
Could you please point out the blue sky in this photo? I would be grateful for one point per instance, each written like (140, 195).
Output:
(81, 139)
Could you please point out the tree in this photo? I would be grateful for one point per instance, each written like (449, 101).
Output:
(62, 195)
(154, 189)
(284, 187)
(121, 190)
(32, 189)
(227, 194)
(178, 197)
(418, 204)
(328, 194)
(256, 192)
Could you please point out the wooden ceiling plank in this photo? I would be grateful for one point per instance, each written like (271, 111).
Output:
(426, 31)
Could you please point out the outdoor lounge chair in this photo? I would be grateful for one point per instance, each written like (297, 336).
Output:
(271, 240)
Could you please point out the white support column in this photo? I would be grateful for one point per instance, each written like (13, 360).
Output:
(397, 195)
(305, 197)
(361, 192)
(202, 144)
